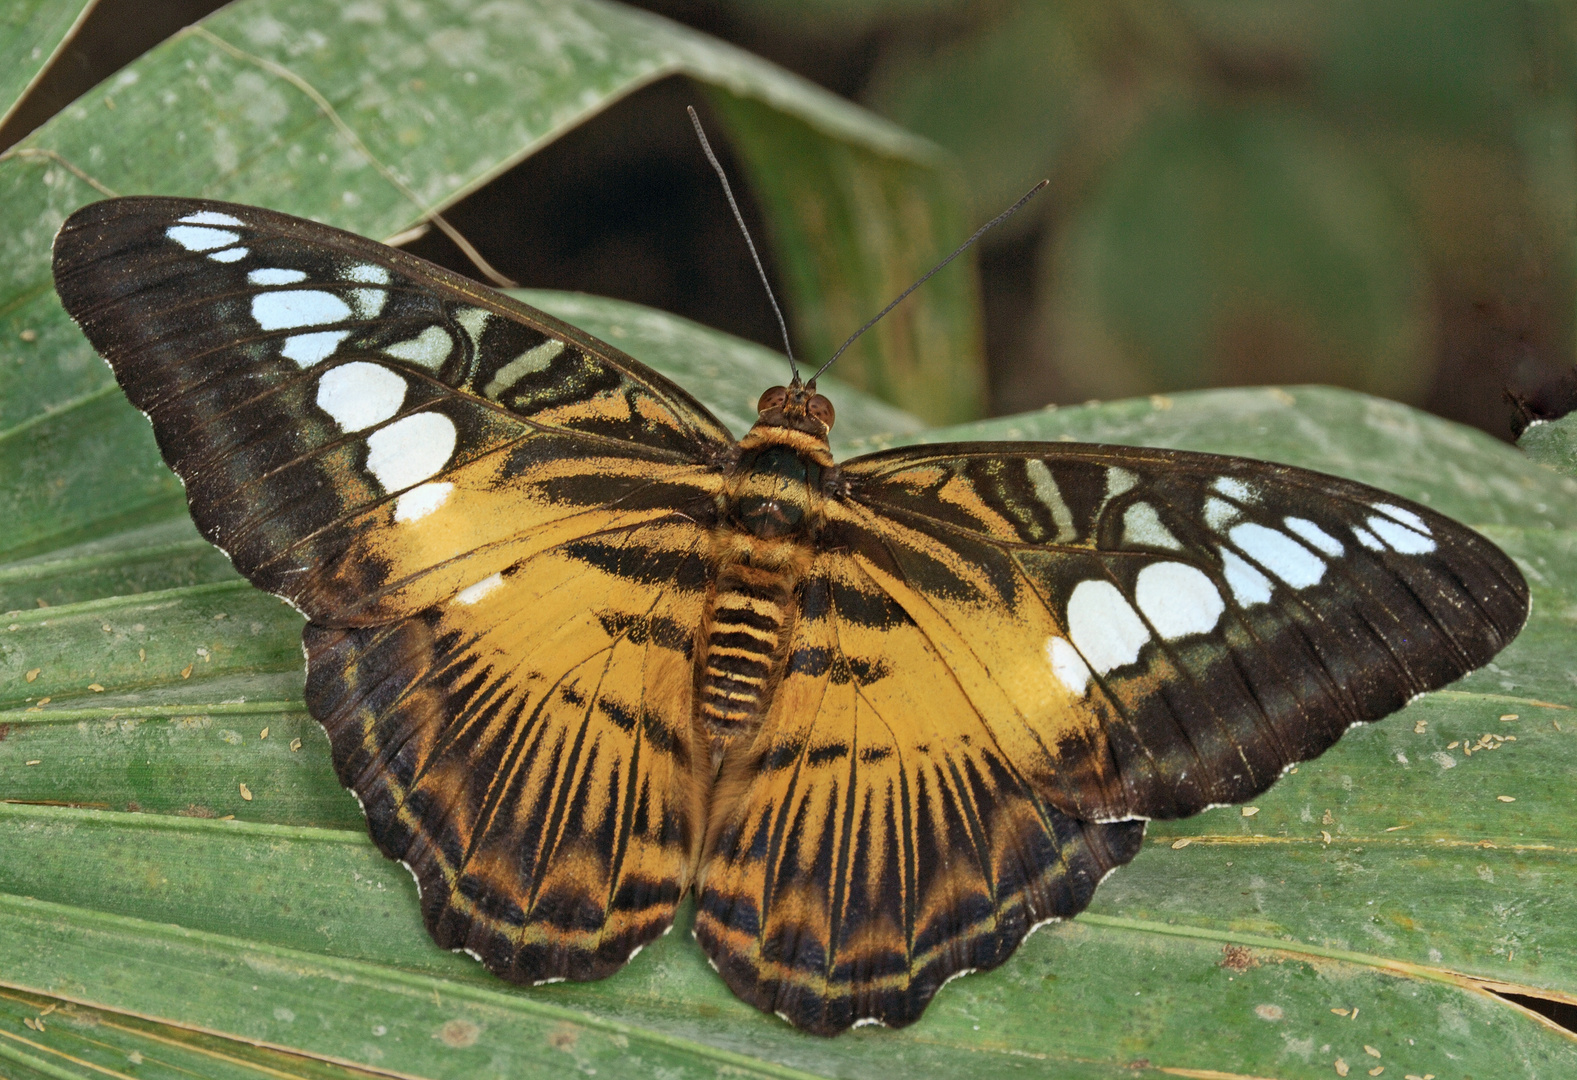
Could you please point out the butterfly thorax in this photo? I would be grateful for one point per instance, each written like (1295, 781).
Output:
(769, 515)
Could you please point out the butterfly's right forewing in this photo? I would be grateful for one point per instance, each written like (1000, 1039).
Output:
(1156, 631)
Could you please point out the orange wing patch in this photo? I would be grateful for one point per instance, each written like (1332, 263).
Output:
(873, 839)
(525, 748)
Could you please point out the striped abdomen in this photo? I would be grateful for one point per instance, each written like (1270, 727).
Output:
(770, 512)
(743, 647)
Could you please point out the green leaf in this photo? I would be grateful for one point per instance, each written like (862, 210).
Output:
(1240, 246)
(823, 193)
(32, 34)
(1553, 443)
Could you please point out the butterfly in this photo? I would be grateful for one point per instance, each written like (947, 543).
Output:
(580, 652)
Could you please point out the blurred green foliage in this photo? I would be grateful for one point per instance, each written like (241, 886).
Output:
(1260, 191)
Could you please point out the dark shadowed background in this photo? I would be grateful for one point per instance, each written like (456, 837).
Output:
(1379, 196)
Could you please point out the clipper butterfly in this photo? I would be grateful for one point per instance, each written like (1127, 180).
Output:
(578, 651)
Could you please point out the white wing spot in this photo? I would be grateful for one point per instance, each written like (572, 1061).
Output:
(1067, 665)
(274, 275)
(1178, 599)
(1280, 554)
(430, 348)
(420, 501)
(1104, 627)
(210, 217)
(532, 360)
(298, 307)
(1405, 516)
(1219, 514)
(410, 450)
(1142, 528)
(196, 238)
(1400, 537)
(1234, 488)
(369, 302)
(1118, 481)
(1248, 585)
(473, 320)
(472, 593)
(1316, 536)
(229, 255)
(309, 349)
(1367, 538)
(368, 273)
(1050, 497)
(360, 394)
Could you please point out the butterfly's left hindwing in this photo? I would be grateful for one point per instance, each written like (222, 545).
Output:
(526, 749)
(495, 525)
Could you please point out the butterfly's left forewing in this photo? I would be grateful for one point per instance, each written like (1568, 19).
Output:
(492, 522)
(336, 407)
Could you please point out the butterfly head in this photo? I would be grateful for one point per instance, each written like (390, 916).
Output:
(796, 406)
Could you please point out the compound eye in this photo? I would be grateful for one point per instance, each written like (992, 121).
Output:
(773, 399)
(820, 408)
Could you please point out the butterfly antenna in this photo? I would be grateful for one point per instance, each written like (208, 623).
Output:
(999, 219)
(751, 244)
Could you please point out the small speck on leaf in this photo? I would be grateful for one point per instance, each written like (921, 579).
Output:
(1371, 1051)
(1341, 1067)
(1179, 844)
(263, 734)
(458, 1034)
(29, 336)
(35, 761)
(1239, 959)
(32, 674)
(95, 687)
(186, 672)
(295, 744)
(1508, 718)
(1506, 798)
(246, 793)
(1250, 811)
